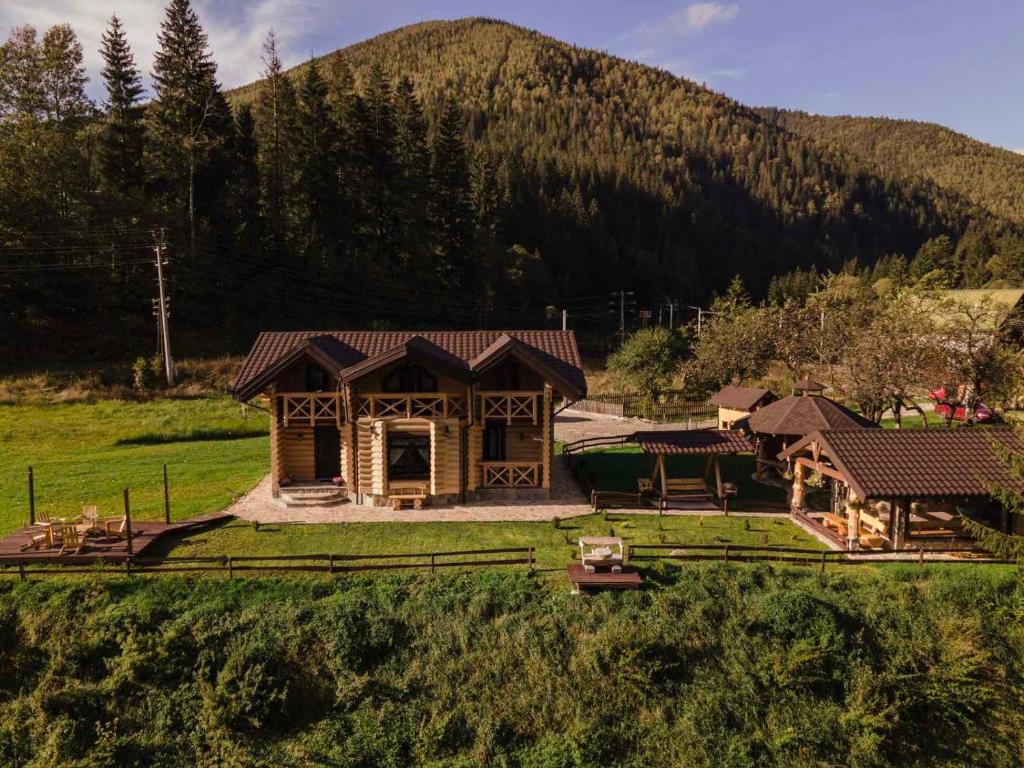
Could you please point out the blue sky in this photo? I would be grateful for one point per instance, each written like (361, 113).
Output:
(955, 63)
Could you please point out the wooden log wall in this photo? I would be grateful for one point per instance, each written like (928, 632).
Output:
(445, 456)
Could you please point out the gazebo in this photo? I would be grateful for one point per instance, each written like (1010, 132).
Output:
(780, 424)
(711, 443)
(899, 488)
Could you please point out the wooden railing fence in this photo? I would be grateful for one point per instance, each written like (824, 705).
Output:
(232, 565)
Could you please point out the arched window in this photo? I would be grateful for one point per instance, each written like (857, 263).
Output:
(410, 378)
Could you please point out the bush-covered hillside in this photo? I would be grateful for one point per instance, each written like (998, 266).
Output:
(718, 666)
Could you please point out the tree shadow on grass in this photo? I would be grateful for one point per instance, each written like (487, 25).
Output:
(196, 436)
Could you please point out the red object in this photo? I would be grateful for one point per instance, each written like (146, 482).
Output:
(958, 412)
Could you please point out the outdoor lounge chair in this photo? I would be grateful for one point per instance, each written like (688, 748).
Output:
(72, 539)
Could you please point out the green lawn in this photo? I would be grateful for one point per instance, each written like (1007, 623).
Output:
(86, 453)
(553, 545)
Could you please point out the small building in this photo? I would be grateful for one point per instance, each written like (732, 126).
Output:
(387, 417)
(783, 422)
(895, 489)
(735, 403)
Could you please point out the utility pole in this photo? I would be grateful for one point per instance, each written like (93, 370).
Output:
(622, 311)
(672, 314)
(162, 309)
(565, 319)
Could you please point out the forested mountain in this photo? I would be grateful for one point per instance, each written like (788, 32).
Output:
(989, 176)
(468, 172)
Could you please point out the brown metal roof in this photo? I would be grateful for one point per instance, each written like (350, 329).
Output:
(883, 463)
(740, 398)
(555, 349)
(694, 441)
(799, 415)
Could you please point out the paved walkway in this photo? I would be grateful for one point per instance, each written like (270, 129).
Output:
(566, 498)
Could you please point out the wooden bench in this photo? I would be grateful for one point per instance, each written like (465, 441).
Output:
(412, 494)
(832, 520)
(686, 488)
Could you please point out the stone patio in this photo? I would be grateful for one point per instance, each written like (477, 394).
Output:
(566, 498)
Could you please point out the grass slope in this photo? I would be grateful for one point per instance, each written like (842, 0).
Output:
(554, 546)
(711, 666)
(86, 453)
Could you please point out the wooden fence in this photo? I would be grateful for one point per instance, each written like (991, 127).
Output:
(671, 405)
(232, 565)
(815, 557)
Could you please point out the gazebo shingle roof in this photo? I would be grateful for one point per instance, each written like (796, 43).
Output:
(694, 441)
(739, 398)
(884, 463)
(799, 415)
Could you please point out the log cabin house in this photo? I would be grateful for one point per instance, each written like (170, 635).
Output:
(387, 417)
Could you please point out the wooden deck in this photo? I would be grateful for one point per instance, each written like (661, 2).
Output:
(593, 582)
(144, 536)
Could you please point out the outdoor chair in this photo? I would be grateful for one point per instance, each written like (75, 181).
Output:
(72, 539)
(37, 537)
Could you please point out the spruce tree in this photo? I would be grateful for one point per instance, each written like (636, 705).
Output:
(121, 140)
(245, 183)
(413, 157)
(276, 128)
(317, 143)
(375, 140)
(186, 121)
(452, 213)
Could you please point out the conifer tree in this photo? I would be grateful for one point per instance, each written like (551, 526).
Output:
(375, 139)
(121, 170)
(276, 127)
(245, 182)
(187, 119)
(317, 151)
(452, 214)
(413, 157)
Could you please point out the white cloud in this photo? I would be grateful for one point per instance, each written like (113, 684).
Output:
(695, 17)
(236, 30)
(686, 21)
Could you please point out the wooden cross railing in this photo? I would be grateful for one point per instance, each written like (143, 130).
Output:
(427, 405)
(311, 408)
(511, 474)
(510, 405)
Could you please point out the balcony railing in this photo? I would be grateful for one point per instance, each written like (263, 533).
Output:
(311, 408)
(510, 406)
(511, 474)
(425, 405)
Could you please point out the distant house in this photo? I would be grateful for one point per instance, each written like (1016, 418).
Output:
(735, 403)
(388, 417)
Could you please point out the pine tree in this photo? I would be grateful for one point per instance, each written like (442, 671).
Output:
(121, 170)
(452, 213)
(245, 183)
(276, 117)
(186, 121)
(375, 140)
(317, 147)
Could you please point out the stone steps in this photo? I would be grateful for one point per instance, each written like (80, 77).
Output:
(312, 496)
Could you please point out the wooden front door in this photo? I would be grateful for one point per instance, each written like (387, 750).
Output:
(327, 452)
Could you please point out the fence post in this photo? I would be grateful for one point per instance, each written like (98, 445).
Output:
(920, 556)
(330, 564)
(31, 497)
(823, 560)
(21, 569)
(231, 568)
(531, 559)
(167, 498)
(128, 522)
(727, 553)
(431, 562)
(127, 567)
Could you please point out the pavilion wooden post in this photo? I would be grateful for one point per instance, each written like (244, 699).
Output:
(128, 522)
(853, 505)
(167, 498)
(31, 497)
(661, 471)
(797, 502)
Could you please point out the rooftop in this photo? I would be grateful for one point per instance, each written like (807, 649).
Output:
(884, 463)
(740, 398)
(799, 415)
